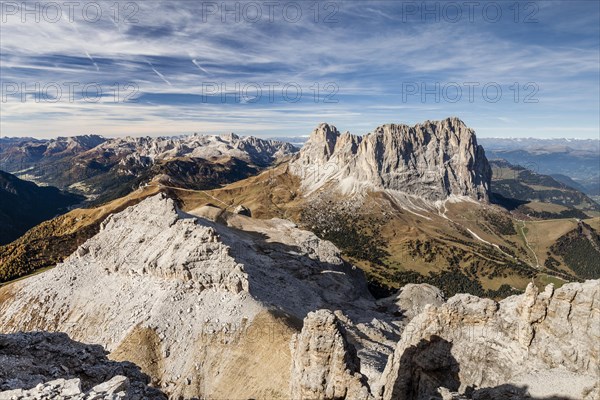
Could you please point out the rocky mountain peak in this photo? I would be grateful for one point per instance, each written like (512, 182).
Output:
(537, 344)
(433, 160)
(230, 137)
(324, 364)
(325, 137)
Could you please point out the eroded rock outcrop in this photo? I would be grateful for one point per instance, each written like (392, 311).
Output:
(200, 305)
(544, 341)
(324, 364)
(412, 299)
(432, 160)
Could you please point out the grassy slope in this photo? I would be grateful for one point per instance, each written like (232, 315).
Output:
(505, 251)
(412, 243)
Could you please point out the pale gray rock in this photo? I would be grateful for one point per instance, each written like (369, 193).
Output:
(243, 211)
(412, 298)
(433, 160)
(191, 289)
(324, 365)
(546, 342)
(115, 385)
(61, 389)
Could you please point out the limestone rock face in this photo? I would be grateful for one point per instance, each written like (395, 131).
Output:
(160, 243)
(546, 342)
(61, 389)
(412, 298)
(324, 364)
(432, 160)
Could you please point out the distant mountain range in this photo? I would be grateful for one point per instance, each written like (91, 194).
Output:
(579, 160)
(104, 169)
(541, 145)
(537, 194)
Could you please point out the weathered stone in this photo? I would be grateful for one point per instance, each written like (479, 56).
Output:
(48, 365)
(324, 364)
(545, 341)
(432, 160)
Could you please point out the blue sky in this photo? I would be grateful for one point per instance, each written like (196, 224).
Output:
(183, 67)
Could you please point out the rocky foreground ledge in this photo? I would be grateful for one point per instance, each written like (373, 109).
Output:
(45, 365)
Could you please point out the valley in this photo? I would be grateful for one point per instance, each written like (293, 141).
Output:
(23, 205)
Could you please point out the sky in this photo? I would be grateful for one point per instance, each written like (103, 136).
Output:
(279, 68)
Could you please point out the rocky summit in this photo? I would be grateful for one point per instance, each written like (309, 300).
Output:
(162, 302)
(433, 160)
(198, 304)
(538, 344)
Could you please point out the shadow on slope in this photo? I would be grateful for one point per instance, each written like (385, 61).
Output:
(430, 365)
(296, 278)
(505, 202)
(38, 357)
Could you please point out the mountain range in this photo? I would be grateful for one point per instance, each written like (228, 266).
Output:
(401, 264)
(105, 169)
(579, 160)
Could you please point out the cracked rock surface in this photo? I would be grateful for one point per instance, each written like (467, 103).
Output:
(433, 160)
(545, 342)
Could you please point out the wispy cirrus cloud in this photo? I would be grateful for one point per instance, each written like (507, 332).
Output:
(158, 70)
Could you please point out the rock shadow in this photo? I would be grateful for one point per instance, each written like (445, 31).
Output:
(31, 358)
(426, 367)
(505, 202)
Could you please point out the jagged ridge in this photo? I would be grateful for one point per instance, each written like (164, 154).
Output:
(432, 160)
